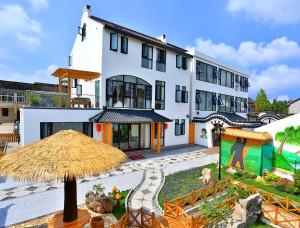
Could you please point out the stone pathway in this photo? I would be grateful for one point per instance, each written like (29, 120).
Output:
(129, 167)
(145, 195)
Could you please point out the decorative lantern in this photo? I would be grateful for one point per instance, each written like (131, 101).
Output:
(165, 126)
(98, 127)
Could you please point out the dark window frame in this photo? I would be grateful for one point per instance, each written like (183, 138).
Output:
(110, 84)
(145, 56)
(207, 107)
(5, 112)
(117, 40)
(227, 83)
(204, 71)
(161, 60)
(124, 49)
(160, 100)
(226, 99)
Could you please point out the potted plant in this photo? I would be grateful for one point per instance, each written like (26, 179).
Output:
(97, 222)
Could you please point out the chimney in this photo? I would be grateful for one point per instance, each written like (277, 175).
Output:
(86, 10)
(162, 38)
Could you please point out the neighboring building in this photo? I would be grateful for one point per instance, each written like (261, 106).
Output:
(13, 95)
(294, 106)
(149, 93)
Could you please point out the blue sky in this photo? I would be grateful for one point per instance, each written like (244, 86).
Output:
(262, 37)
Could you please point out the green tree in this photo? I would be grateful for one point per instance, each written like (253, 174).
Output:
(262, 103)
(33, 98)
(280, 107)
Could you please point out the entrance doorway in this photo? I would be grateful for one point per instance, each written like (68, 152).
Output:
(128, 137)
(216, 139)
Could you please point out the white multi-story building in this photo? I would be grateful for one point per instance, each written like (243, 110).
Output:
(146, 86)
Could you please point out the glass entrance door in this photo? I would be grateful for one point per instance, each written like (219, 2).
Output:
(131, 136)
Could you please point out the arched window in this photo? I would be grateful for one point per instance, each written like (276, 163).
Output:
(125, 91)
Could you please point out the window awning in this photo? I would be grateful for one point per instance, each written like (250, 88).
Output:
(128, 116)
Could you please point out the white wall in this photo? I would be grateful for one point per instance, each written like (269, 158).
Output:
(30, 119)
(294, 107)
(280, 125)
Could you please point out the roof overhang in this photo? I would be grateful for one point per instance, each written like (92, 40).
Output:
(128, 116)
(232, 119)
(75, 74)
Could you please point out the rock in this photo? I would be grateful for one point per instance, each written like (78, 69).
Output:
(99, 203)
(206, 178)
(247, 211)
(231, 170)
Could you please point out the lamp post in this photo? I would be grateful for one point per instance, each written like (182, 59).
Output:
(220, 131)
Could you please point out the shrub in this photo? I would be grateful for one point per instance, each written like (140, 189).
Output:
(260, 180)
(98, 188)
(34, 98)
(297, 178)
(271, 177)
(284, 181)
(281, 187)
(251, 176)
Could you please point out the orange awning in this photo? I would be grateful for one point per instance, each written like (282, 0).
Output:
(75, 74)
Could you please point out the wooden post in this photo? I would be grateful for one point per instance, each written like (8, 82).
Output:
(158, 137)
(59, 91)
(69, 92)
(104, 133)
(152, 136)
(70, 204)
(109, 133)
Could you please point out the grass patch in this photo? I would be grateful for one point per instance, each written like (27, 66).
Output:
(119, 211)
(260, 224)
(183, 182)
(270, 189)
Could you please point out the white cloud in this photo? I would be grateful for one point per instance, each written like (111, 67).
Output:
(275, 80)
(250, 53)
(283, 98)
(29, 42)
(38, 5)
(16, 23)
(267, 11)
(41, 75)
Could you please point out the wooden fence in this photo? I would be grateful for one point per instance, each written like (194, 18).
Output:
(137, 218)
(9, 137)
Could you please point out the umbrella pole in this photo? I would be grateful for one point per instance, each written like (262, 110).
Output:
(70, 204)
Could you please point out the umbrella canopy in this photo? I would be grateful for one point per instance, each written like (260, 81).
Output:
(66, 154)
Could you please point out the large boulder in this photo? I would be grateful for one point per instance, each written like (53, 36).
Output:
(99, 203)
(247, 211)
(206, 178)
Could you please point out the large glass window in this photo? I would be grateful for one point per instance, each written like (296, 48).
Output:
(50, 128)
(241, 104)
(225, 103)
(161, 60)
(244, 84)
(205, 101)
(125, 91)
(159, 95)
(181, 95)
(206, 72)
(147, 56)
(181, 62)
(114, 41)
(226, 78)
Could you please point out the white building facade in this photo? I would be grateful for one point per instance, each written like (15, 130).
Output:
(146, 86)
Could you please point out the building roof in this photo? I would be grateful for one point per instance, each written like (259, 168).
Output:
(232, 119)
(294, 101)
(261, 136)
(22, 86)
(140, 36)
(128, 116)
(75, 74)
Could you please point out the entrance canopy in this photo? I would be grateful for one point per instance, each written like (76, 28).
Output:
(128, 116)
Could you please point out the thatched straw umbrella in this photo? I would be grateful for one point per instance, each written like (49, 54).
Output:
(63, 156)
